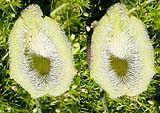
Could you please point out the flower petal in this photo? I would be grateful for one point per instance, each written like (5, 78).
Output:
(41, 60)
(121, 53)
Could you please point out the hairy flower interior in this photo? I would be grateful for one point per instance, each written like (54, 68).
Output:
(120, 66)
(40, 64)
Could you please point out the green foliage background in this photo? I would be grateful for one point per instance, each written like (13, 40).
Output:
(77, 20)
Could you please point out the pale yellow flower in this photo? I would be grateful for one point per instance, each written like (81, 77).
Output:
(122, 60)
(41, 60)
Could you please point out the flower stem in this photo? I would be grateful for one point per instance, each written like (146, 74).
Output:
(57, 9)
(38, 105)
(123, 1)
(103, 98)
(137, 8)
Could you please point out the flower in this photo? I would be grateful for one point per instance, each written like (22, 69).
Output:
(122, 60)
(41, 60)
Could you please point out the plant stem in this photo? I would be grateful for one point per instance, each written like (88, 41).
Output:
(38, 105)
(137, 8)
(103, 98)
(123, 1)
(57, 9)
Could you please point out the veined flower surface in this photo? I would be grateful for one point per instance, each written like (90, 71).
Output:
(41, 60)
(122, 59)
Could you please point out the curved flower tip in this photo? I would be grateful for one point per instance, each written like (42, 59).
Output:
(41, 60)
(122, 60)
